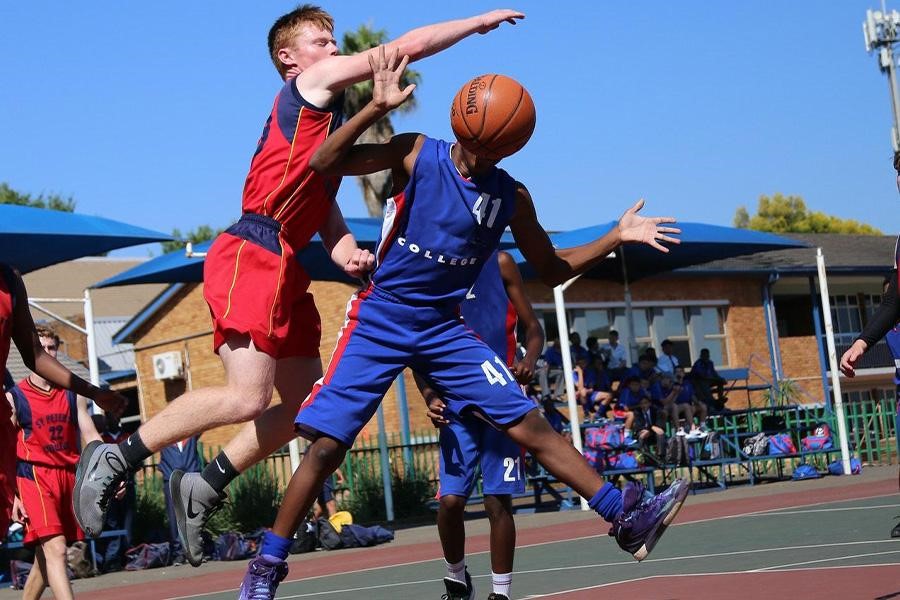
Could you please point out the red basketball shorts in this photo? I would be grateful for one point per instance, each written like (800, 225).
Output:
(46, 493)
(254, 286)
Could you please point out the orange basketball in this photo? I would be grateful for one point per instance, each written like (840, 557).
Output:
(492, 116)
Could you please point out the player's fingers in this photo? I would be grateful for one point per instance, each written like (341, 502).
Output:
(668, 239)
(402, 66)
(392, 58)
(675, 230)
(659, 246)
(372, 64)
(408, 90)
(637, 206)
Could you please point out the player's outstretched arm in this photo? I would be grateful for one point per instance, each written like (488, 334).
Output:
(86, 425)
(29, 345)
(534, 333)
(557, 266)
(339, 156)
(324, 80)
(886, 317)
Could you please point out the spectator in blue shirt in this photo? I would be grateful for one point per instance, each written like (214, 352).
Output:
(593, 349)
(643, 370)
(667, 362)
(578, 351)
(616, 356)
(707, 380)
(552, 355)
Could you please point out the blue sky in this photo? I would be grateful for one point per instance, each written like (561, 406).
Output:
(149, 112)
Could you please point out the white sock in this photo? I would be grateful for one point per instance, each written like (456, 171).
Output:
(457, 571)
(501, 583)
(627, 433)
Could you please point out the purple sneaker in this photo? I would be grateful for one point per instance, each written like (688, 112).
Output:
(645, 517)
(262, 579)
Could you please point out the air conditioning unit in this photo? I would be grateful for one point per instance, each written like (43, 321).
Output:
(168, 365)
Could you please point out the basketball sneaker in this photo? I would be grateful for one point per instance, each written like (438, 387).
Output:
(262, 579)
(645, 517)
(195, 501)
(457, 590)
(895, 532)
(496, 596)
(101, 468)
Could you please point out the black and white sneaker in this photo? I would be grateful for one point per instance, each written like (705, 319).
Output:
(195, 501)
(457, 590)
(101, 468)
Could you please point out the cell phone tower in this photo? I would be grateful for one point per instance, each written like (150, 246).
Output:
(881, 30)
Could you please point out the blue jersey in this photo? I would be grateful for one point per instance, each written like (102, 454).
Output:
(488, 312)
(440, 231)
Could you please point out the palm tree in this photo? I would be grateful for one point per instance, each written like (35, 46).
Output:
(375, 187)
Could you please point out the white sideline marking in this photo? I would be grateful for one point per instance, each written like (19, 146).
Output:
(821, 560)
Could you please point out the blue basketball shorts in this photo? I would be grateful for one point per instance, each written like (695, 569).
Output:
(470, 441)
(382, 336)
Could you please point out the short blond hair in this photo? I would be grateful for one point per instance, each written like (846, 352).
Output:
(45, 331)
(287, 26)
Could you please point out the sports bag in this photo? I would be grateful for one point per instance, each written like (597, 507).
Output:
(757, 445)
(147, 556)
(781, 443)
(805, 471)
(712, 447)
(357, 536)
(306, 539)
(625, 460)
(594, 458)
(677, 451)
(78, 561)
(607, 437)
(234, 546)
(837, 467)
(329, 538)
(819, 440)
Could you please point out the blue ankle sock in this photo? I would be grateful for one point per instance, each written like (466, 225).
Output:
(275, 547)
(607, 502)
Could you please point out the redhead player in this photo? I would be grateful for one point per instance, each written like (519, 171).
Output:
(48, 419)
(266, 327)
(16, 325)
(491, 309)
(444, 223)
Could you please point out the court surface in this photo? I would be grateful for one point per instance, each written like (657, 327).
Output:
(825, 539)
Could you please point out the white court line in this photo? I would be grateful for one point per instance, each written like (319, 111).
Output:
(586, 537)
(602, 565)
(821, 560)
(825, 510)
(712, 574)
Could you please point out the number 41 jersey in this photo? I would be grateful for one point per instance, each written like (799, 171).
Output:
(48, 425)
(438, 233)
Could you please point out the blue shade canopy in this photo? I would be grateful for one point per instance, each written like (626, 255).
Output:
(33, 238)
(175, 267)
(700, 243)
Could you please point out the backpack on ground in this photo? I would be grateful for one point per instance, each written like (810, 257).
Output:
(357, 536)
(147, 556)
(712, 446)
(78, 561)
(233, 546)
(837, 467)
(677, 451)
(758, 445)
(820, 439)
(625, 460)
(18, 573)
(306, 539)
(805, 471)
(606, 437)
(594, 458)
(781, 443)
(329, 538)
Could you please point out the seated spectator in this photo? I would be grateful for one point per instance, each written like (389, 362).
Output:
(578, 351)
(681, 402)
(649, 423)
(630, 395)
(653, 390)
(549, 369)
(552, 354)
(707, 381)
(643, 370)
(616, 356)
(593, 349)
(668, 361)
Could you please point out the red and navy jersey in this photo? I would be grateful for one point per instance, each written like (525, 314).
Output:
(489, 313)
(440, 231)
(280, 183)
(48, 425)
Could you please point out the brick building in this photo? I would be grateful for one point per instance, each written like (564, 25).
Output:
(755, 311)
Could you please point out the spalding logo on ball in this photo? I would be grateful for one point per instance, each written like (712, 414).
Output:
(492, 116)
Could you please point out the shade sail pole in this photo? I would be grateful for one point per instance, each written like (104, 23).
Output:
(629, 313)
(833, 362)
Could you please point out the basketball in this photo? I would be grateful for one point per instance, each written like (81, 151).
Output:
(492, 116)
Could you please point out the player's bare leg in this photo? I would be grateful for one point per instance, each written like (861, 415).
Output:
(503, 541)
(638, 520)
(452, 533)
(49, 570)
(250, 376)
(294, 378)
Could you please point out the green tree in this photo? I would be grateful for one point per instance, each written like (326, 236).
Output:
(195, 236)
(375, 187)
(789, 214)
(51, 201)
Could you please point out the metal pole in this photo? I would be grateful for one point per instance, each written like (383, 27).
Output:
(773, 364)
(887, 62)
(93, 363)
(385, 465)
(403, 407)
(574, 414)
(629, 313)
(823, 359)
(833, 362)
(294, 453)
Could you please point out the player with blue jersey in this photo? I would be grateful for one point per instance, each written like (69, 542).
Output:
(443, 224)
(492, 309)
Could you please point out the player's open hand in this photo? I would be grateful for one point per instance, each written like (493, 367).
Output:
(111, 402)
(387, 72)
(492, 20)
(851, 356)
(435, 411)
(360, 263)
(633, 228)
